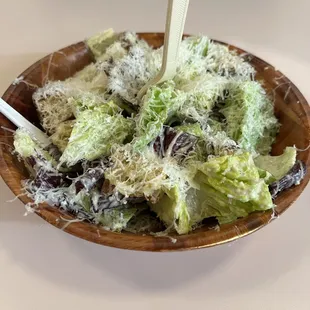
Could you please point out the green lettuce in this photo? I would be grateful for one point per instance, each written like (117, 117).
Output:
(62, 134)
(230, 187)
(211, 203)
(197, 45)
(26, 146)
(88, 101)
(172, 210)
(154, 112)
(237, 177)
(277, 166)
(191, 60)
(37, 159)
(193, 129)
(200, 96)
(116, 219)
(99, 43)
(134, 173)
(93, 134)
(29, 149)
(250, 117)
(90, 79)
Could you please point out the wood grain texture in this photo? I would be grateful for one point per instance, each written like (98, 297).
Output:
(291, 109)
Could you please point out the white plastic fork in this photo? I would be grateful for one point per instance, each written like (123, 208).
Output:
(175, 21)
(21, 122)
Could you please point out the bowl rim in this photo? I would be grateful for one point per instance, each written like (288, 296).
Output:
(195, 240)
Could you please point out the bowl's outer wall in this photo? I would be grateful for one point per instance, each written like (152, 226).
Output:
(290, 107)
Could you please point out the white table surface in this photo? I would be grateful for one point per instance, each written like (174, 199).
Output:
(43, 268)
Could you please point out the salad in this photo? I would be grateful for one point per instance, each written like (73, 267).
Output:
(193, 148)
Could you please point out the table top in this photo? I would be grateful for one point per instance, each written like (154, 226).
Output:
(45, 268)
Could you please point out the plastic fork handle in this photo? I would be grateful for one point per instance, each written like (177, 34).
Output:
(21, 122)
(175, 21)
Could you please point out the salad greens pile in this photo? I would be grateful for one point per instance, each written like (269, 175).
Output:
(193, 148)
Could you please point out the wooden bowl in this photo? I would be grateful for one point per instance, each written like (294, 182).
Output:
(291, 109)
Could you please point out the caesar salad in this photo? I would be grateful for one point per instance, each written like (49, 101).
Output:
(193, 148)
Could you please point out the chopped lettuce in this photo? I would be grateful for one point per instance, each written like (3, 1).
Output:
(90, 101)
(191, 60)
(220, 60)
(199, 55)
(172, 210)
(237, 177)
(277, 166)
(93, 134)
(172, 206)
(25, 145)
(249, 117)
(61, 137)
(208, 202)
(134, 70)
(82, 199)
(116, 219)
(41, 165)
(193, 129)
(133, 173)
(200, 96)
(53, 99)
(218, 144)
(92, 79)
(52, 105)
(154, 112)
(101, 41)
(230, 187)
(196, 45)
(29, 149)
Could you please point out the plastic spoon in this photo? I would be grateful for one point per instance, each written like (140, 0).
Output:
(175, 20)
(22, 122)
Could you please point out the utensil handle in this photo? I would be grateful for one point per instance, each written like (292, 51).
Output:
(175, 21)
(21, 122)
(176, 16)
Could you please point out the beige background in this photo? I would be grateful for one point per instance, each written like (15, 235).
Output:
(43, 268)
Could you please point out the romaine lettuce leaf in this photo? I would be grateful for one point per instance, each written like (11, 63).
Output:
(157, 104)
(61, 137)
(278, 166)
(134, 173)
(200, 96)
(41, 164)
(116, 219)
(53, 99)
(134, 70)
(237, 177)
(98, 43)
(250, 117)
(32, 153)
(191, 60)
(208, 202)
(93, 134)
(230, 187)
(26, 146)
(88, 101)
(172, 210)
(193, 129)
(197, 45)
(91, 78)
(220, 60)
